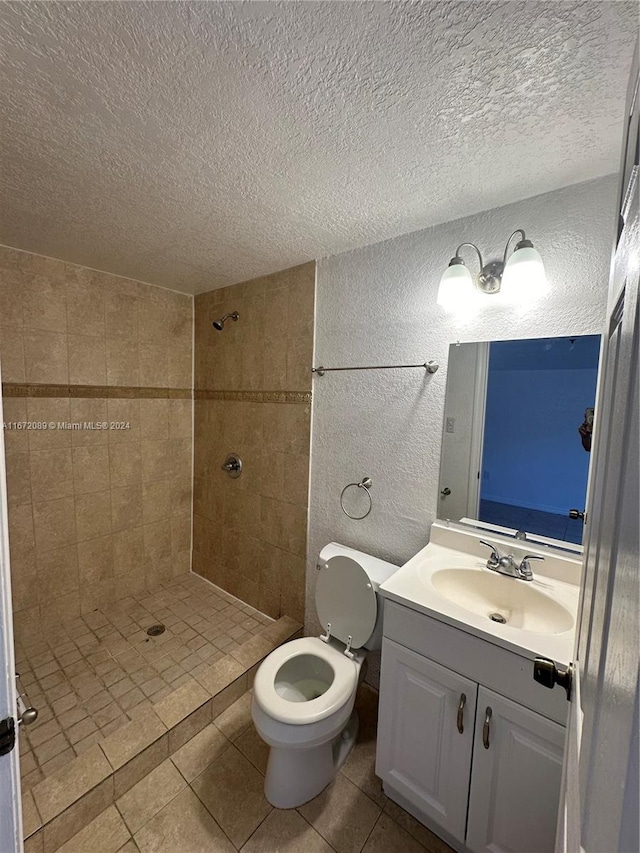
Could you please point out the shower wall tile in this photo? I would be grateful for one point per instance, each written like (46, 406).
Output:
(86, 306)
(23, 542)
(12, 293)
(153, 364)
(25, 586)
(51, 473)
(94, 514)
(19, 475)
(87, 410)
(121, 317)
(154, 419)
(43, 410)
(122, 362)
(180, 368)
(63, 323)
(276, 318)
(126, 507)
(90, 469)
(44, 301)
(249, 534)
(54, 522)
(128, 550)
(45, 358)
(12, 351)
(87, 360)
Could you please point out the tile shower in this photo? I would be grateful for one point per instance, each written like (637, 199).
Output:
(97, 517)
(253, 398)
(101, 527)
(94, 514)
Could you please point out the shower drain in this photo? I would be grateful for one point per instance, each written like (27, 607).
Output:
(495, 617)
(156, 630)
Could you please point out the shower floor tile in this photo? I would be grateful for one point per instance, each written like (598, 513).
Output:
(92, 675)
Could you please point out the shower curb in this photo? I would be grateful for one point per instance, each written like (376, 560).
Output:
(70, 799)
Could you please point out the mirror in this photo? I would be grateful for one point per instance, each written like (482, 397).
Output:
(517, 435)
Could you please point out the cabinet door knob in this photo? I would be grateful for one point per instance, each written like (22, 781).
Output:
(460, 719)
(485, 728)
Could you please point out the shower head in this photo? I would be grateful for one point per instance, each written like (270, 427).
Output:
(219, 324)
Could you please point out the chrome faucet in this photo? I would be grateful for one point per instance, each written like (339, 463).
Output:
(507, 565)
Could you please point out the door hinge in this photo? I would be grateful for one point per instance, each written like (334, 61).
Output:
(7, 735)
(546, 672)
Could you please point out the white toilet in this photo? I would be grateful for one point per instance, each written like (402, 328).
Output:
(304, 691)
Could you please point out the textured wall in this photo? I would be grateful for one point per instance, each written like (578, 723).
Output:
(252, 398)
(93, 515)
(222, 141)
(378, 306)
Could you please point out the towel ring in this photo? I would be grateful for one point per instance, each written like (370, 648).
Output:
(365, 484)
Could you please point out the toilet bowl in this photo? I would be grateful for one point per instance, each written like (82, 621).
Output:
(304, 691)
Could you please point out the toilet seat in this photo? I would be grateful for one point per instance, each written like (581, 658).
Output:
(301, 713)
(346, 601)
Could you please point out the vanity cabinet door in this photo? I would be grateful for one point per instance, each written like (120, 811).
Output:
(515, 784)
(425, 735)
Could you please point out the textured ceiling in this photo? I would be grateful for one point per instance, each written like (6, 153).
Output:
(195, 144)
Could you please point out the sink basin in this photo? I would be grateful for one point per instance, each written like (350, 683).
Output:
(504, 600)
(448, 580)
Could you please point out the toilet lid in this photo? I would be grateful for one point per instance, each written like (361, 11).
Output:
(345, 597)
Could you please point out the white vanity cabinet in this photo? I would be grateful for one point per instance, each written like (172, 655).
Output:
(515, 781)
(426, 734)
(483, 771)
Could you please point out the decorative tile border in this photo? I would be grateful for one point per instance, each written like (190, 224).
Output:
(16, 389)
(255, 396)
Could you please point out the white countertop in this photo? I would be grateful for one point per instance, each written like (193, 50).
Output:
(412, 586)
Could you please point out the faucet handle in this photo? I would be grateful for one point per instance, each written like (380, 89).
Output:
(495, 556)
(524, 568)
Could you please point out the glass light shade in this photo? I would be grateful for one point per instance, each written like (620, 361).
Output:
(456, 288)
(524, 278)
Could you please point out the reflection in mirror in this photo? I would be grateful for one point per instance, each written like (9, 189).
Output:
(517, 435)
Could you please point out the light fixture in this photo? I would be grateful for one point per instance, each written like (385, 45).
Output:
(524, 278)
(521, 278)
(455, 285)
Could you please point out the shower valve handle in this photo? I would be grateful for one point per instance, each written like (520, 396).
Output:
(232, 465)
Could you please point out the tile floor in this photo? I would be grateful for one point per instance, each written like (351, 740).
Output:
(92, 675)
(208, 798)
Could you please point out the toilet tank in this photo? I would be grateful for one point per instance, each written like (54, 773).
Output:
(378, 572)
